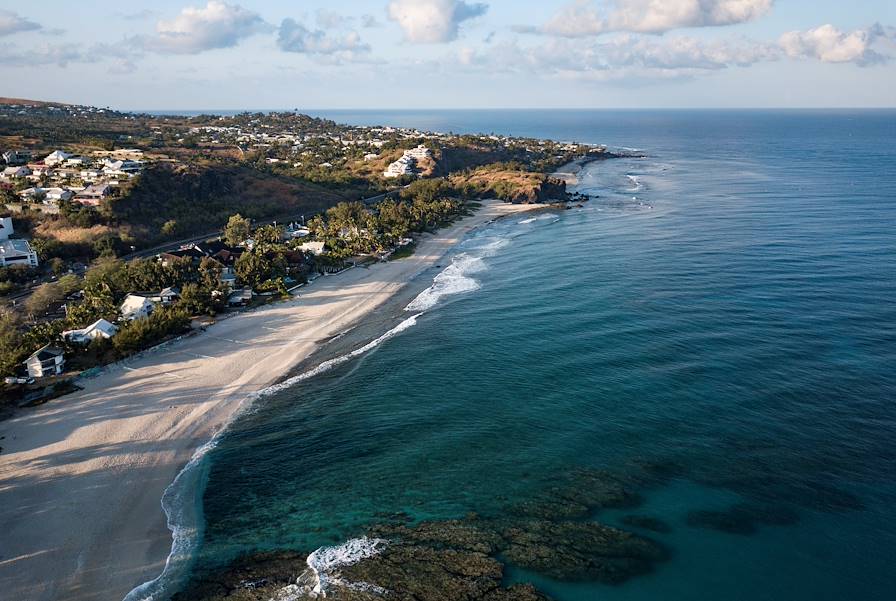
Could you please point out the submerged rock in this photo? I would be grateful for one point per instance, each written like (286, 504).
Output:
(743, 518)
(646, 522)
(577, 494)
(419, 572)
(255, 577)
(580, 551)
(729, 521)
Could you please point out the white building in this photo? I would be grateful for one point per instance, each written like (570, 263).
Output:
(46, 361)
(403, 166)
(46, 195)
(15, 172)
(17, 252)
(5, 228)
(56, 157)
(419, 153)
(315, 248)
(136, 307)
(98, 329)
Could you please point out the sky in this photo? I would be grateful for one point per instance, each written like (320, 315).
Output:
(358, 54)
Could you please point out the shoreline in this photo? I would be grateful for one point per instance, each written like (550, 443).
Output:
(81, 478)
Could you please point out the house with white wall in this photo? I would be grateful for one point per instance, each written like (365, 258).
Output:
(46, 361)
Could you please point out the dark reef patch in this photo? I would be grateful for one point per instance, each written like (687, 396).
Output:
(743, 518)
(646, 522)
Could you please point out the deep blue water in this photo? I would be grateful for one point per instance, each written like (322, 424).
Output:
(726, 304)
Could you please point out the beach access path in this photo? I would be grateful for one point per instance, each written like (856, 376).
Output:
(82, 477)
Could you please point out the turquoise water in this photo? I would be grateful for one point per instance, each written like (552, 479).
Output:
(725, 304)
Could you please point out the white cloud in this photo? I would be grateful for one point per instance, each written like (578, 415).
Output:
(44, 54)
(11, 23)
(585, 18)
(330, 19)
(195, 30)
(295, 37)
(626, 58)
(830, 45)
(432, 21)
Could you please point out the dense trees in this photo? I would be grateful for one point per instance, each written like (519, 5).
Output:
(237, 230)
(350, 228)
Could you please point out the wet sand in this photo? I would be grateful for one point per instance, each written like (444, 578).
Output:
(81, 477)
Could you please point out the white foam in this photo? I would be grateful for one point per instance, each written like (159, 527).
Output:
(636, 183)
(331, 363)
(529, 220)
(455, 279)
(179, 505)
(322, 575)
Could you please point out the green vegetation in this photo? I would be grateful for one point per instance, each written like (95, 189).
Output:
(237, 230)
(207, 173)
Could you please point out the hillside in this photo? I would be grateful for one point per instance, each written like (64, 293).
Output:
(26, 102)
(511, 184)
(194, 200)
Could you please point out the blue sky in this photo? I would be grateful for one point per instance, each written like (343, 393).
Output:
(212, 54)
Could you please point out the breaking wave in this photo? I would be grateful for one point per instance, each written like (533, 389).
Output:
(331, 363)
(322, 575)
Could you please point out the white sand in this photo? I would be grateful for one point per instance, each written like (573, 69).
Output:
(81, 477)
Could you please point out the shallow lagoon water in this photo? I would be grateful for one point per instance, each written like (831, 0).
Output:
(725, 304)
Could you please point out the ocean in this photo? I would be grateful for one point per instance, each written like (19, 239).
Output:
(714, 332)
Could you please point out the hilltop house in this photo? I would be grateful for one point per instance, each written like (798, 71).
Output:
(46, 195)
(119, 168)
(17, 252)
(56, 157)
(93, 195)
(136, 306)
(419, 153)
(98, 329)
(16, 157)
(46, 361)
(15, 172)
(403, 166)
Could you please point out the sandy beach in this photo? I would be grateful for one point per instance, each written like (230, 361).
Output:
(81, 477)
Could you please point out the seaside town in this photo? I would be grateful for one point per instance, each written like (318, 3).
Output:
(121, 231)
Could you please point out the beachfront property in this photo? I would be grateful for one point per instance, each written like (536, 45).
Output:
(316, 248)
(17, 252)
(95, 331)
(167, 296)
(45, 361)
(297, 230)
(5, 228)
(240, 298)
(136, 306)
